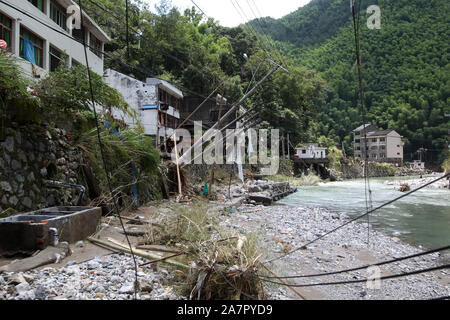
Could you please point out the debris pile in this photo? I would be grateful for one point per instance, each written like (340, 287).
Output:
(256, 192)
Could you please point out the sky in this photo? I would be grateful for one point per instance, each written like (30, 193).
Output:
(227, 14)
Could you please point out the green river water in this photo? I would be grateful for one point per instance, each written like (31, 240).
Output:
(422, 218)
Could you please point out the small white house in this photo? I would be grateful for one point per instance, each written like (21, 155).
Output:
(417, 164)
(156, 102)
(311, 151)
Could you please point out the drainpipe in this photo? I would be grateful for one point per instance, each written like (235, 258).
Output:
(81, 188)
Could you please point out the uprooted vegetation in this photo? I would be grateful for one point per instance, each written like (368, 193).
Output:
(310, 179)
(219, 264)
(132, 163)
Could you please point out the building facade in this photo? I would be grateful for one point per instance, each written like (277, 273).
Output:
(378, 145)
(155, 102)
(311, 151)
(46, 45)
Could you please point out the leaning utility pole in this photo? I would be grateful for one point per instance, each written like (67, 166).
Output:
(227, 114)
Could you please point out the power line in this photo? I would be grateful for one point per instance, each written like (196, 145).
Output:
(103, 155)
(367, 189)
(203, 72)
(234, 287)
(395, 276)
(203, 12)
(362, 267)
(261, 28)
(359, 217)
(120, 61)
(249, 26)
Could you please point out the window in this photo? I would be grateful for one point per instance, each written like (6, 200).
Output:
(357, 141)
(374, 156)
(382, 139)
(374, 148)
(38, 4)
(38, 45)
(358, 148)
(304, 151)
(56, 58)
(78, 34)
(382, 155)
(96, 45)
(357, 133)
(58, 14)
(5, 30)
(383, 147)
(163, 98)
(75, 63)
(374, 140)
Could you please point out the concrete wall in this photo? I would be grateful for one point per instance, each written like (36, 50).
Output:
(140, 96)
(30, 154)
(72, 48)
(318, 153)
(137, 94)
(394, 145)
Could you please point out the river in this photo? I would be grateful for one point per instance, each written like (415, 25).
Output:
(422, 218)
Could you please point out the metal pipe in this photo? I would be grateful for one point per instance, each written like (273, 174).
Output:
(81, 188)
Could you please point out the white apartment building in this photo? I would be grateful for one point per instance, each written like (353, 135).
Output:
(18, 22)
(156, 102)
(380, 145)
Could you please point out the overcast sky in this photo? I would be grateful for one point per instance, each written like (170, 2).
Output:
(227, 14)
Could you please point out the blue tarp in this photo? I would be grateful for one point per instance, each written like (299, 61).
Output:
(28, 50)
(149, 107)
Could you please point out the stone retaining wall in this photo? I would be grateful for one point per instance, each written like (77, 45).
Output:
(31, 154)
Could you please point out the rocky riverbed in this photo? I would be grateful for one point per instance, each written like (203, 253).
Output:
(283, 228)
(415, 183)
(109, 277)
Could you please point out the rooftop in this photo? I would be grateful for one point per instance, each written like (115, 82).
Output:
(164, 84)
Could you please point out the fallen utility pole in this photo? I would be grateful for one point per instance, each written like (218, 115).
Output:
(240, 130)
(213, 167)
(196, 110)
(227, 114)
(136, 252)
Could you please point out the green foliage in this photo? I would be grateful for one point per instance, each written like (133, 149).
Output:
(13, 83)
(406, 67)
(336, 156)
(16, 100)
(446, 163)
(121, 154)
(67, 90)
(197, 54)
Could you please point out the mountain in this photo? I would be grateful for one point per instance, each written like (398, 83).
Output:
(406, 67)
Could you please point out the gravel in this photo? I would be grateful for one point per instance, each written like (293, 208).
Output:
(283, 228)
(103, 278)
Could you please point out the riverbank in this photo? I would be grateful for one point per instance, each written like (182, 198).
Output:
(417, 182)
(91, 272)
(283, 228)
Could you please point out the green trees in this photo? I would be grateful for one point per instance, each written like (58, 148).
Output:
(197, 54)
(405, 64)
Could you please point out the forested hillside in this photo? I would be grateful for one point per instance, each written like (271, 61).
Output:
(197, 54)
(406, 66)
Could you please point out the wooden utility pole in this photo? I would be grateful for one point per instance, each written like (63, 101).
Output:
(178, 165)
(219, 124)
(232, 109)
(288, 146)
